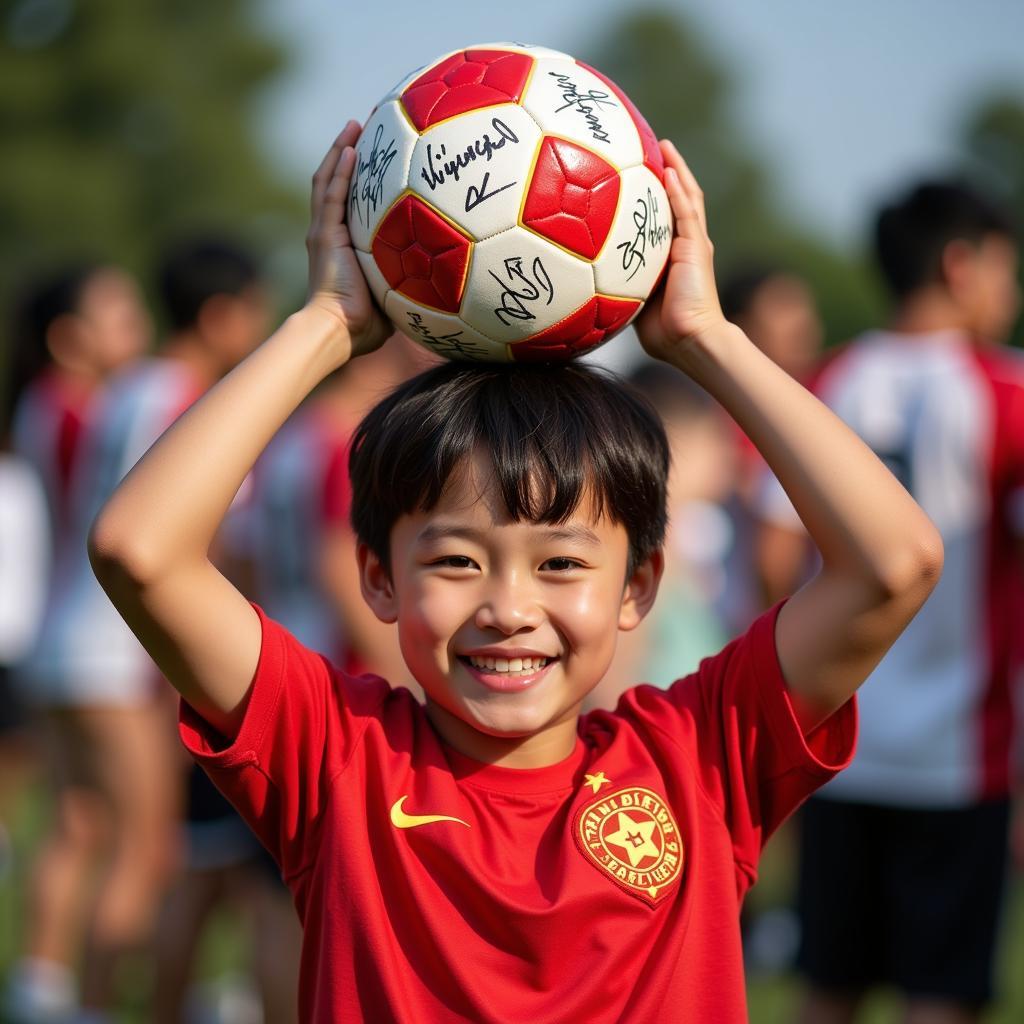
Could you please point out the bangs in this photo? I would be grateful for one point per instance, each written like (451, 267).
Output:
(554, 436)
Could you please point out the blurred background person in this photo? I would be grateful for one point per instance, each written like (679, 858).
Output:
(777, 310)
(903, 859)
(96, 681)
(24, 568)
(74, 330)
(692, 621)
(303, 549)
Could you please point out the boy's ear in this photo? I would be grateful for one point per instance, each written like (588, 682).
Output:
(641, 590)
(375, 583)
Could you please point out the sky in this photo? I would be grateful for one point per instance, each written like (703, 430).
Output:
(845, 99)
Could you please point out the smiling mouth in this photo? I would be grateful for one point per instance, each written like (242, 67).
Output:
(507, 666)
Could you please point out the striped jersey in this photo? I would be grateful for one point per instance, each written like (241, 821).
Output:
(300, 491)
(947, 417)
(86, 653)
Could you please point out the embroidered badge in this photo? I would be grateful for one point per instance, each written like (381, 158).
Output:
(631, 836)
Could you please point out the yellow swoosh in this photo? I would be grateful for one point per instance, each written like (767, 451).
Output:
(402, 820)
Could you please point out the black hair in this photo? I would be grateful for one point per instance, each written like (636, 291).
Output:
(912, 232)
(739, 289)
(553, 435)
(194, 271)
(42, 301)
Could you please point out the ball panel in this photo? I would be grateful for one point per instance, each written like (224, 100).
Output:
(566, 99)
(473, 168)
(374, 278)
(519, 285)
(406, 80)
(639, 240)
(467, 80)
(572, 197)
(422, 255)
(594, 323)
(446, 335)
(532, 49)
(649, 141)
(382, 168)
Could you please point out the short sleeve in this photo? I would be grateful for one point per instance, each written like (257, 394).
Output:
(735, 719)
(302, 724)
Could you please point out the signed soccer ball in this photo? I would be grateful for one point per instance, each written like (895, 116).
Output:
(507, 205)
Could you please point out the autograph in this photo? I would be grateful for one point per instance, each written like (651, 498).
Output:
(482, 148)
(519, 289)
(586, 103)
(452, 345)
(475, 196)
(649, 233)
(368, 187)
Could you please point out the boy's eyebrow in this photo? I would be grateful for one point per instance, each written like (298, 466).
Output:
(439, 531)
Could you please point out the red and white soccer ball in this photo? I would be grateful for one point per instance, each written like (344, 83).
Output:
(507, 205)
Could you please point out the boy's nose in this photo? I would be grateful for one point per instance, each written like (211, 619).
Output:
(509, 606)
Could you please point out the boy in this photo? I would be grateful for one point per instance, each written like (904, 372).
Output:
(491, 856)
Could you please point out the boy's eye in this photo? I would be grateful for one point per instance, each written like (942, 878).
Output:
(454, 562)
(560, 564)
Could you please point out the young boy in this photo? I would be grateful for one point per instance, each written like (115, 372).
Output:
(492, 856)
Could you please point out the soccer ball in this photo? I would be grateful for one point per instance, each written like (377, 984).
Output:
(507, 204)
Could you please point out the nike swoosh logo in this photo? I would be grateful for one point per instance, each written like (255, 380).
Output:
(402, 820)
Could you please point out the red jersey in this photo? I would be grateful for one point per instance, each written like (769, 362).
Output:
(603, 888)
(49, 424)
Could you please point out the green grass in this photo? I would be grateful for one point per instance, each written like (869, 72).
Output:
(772, 1001)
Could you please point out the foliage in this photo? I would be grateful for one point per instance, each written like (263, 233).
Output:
(686, 92)
(128, 124)
(993, 141)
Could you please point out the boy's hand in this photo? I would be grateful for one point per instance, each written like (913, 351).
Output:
(687, 305)
(336, 282)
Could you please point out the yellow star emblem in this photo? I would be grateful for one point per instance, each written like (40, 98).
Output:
(595, 782)
(635, 838)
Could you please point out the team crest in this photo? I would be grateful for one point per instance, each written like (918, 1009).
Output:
(631, 836)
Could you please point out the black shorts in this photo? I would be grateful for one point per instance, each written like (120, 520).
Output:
(216, 835)
(13, 714)
(909, 898)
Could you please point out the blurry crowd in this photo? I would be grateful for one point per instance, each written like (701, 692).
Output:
(138, 850)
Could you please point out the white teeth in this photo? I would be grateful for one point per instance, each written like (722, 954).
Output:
(513, 666)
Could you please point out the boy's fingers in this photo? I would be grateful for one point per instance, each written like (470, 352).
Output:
(690, 186)
(336, 195)
(325, 172)
(687, 222)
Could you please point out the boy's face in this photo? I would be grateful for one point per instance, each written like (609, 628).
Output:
(506, 625)
(986, 287)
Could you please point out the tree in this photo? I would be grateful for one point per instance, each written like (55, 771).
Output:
(128, 124)
(687, 95)
(993, 142)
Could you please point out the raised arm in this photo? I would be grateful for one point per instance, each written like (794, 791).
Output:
(149, 545)
(881, 555)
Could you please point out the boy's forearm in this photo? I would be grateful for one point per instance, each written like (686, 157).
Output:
(165, 513)
(862, 520)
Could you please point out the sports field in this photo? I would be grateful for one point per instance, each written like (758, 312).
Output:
(224, 953)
